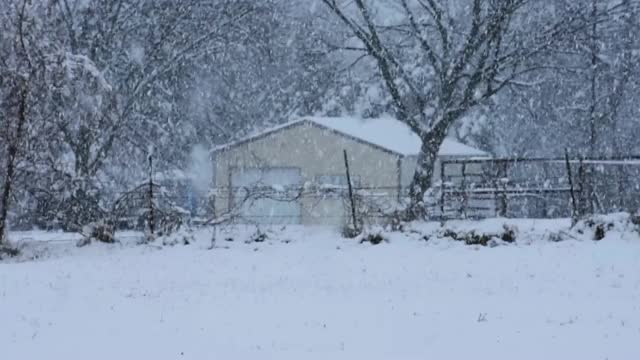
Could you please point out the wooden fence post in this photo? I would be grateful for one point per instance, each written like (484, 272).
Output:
(151, 219)
(503, 183)
(574, 205)
(465, 193)
(442, 188)
(582, 201)
(353, 205)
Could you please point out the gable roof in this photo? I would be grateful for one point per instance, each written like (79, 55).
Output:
(394, 135)
(386, 134)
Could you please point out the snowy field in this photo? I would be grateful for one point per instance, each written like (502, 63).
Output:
(308, 294)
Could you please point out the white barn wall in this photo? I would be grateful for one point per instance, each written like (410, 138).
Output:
(316, 151)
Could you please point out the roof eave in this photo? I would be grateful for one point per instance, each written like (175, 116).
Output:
(302, 121)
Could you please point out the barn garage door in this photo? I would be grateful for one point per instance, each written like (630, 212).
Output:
(267, 211)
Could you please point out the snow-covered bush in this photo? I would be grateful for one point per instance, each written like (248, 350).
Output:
(257, 237)
(597, 227)
(7, 251)
(373, 238)
(477, 237)
(554, 236)
(350, 232)
(161, 214)
(183, 236)
(635, 220)
(396, 220)
(100, 231)
(509, 234)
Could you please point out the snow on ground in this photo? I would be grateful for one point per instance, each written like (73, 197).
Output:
(305, 293)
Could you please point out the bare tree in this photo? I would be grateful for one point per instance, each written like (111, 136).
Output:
(116, 88)
(437, 61)
(22, 70)
(13, 140)
(610, 67)
(592, 96)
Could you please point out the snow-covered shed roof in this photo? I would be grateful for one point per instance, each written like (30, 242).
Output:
(392, 134)
(386, 133)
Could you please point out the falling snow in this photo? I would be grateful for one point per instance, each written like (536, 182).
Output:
(185, 179)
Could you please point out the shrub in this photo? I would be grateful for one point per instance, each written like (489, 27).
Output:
(373, 238)
(396, 220)
(257, 237)
(103, 232)
(8, 252)
(596, 225)
(100, 231)
(469, 238)
(350, 232)
(599, 232)
(472, 238)
(555, 237)
(509, 234)
(635, 220)
(450, 234)
(478, 238)
(182, 237)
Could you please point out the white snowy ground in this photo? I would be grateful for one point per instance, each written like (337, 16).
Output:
(322, 297)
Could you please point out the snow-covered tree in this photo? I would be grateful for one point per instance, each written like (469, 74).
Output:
(25, 61)
(439, 59)
(583, 100)
(120, 75)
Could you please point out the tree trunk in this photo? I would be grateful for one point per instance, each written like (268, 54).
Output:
(594, 117)
(423, 176)
(6, 195)
(12, 158)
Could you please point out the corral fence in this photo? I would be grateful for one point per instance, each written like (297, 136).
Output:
(310, 203)
(464, 189)
(537, 187)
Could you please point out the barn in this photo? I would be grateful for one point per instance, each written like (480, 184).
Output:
(308, 153)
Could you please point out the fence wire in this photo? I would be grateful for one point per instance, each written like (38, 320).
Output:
(470, 188)
(539, 188)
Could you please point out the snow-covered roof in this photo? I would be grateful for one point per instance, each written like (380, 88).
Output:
(387, 133)
(392, 134)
